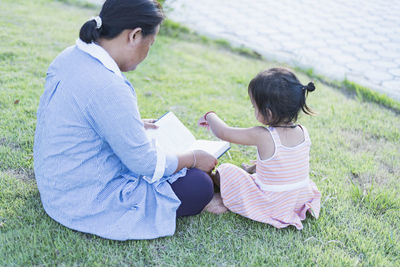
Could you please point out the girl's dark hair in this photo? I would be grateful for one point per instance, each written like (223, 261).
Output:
(119, 15)
(279, 91)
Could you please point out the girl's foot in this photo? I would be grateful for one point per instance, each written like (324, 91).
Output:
(216, 205)
(215, 178)
(249, 168)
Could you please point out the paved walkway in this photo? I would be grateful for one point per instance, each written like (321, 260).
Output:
(357, 39)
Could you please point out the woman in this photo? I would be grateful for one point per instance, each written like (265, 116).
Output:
(96, 170)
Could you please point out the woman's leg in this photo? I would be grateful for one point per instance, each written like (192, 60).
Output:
(194, 190)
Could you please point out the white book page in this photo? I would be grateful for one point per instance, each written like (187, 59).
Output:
(171, 134)
(215, 148)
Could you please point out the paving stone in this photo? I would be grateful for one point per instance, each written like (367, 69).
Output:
(308, 53)
(351, 48)
(364, 55)
(356, 40)
(395, 71)
(377, 75)
(390, 89)
(373, 47)
(384, 64)
(394, 38)
(359, 66)
(344, 58)
(335, 71)
(393, 86)
(330, 51)
(389, 54)
(291, 45)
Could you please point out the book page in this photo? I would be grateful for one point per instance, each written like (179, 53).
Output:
(171, 135)
(215, 148)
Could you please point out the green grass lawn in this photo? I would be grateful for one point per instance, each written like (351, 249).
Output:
(355, 158)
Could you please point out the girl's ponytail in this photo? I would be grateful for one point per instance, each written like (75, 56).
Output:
(89, 31)
(309, 87)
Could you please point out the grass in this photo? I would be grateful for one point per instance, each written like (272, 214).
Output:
(176, 30)
(361, 92)
(354, 157)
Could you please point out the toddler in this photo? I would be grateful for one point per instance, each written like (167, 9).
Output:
(280, 191)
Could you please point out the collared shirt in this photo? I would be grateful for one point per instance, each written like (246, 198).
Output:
(102, 55)
(96, 170)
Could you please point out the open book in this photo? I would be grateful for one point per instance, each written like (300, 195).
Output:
(173, 136)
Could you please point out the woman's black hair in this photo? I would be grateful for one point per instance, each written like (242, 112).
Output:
(119, 15)
(279, 92)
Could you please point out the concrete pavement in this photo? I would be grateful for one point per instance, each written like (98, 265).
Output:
(357, 39)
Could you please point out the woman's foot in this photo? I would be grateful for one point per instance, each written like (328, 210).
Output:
(216, 205)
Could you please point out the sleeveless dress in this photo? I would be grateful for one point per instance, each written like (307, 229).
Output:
(280, 192)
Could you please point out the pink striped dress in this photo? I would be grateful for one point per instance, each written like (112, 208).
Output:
(280, 192)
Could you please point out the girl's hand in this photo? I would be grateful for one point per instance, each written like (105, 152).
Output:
(204, 161)
(203, 123)
(249, 168)
(149, 124)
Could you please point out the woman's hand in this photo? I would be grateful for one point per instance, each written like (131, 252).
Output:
(197, 159)
(204, 161)
(149, 124)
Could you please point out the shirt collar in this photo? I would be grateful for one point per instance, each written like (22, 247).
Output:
(99, 53)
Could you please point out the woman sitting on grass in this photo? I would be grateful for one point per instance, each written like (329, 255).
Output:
(280, 192)
(96, 170)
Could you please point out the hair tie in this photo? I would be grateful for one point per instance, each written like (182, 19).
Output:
(309, 87)
(98, 21)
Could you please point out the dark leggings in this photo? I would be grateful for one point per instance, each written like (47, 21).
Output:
(195, 190)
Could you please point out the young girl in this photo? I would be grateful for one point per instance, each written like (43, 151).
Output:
(280, 192)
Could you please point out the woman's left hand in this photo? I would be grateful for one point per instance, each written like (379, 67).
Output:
(149, 124)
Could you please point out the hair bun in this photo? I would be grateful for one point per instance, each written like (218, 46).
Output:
(310, 87)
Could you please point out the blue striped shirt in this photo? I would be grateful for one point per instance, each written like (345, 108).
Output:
(96, 170)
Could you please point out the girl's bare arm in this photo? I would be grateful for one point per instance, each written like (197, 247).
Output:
(253, 136)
